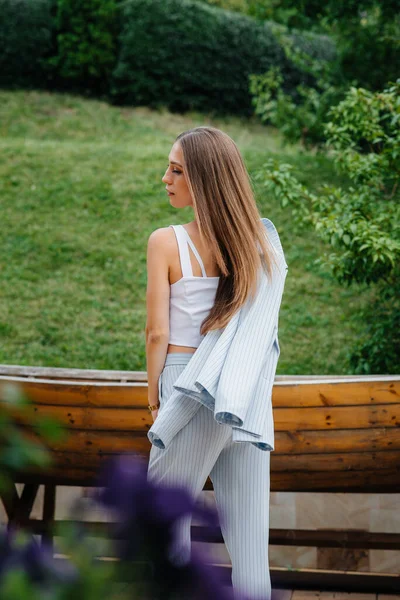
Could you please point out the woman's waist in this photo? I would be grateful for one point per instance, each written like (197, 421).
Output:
(178, 358)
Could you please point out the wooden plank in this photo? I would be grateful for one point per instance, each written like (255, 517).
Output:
(78, 374)
(350, 581)
(347, 596)
(329, 464)
(343, 393)
(309, 594)
(10, 500)
(93, 394)
(49, 509)
(112, 375)
(300, 442)
(357, 461)
(379, 481)
(336, 417)
(340, 440)
(335, 581)
(297, 442)
(26, 502)
(133, 393)
(384, 482)
(282, 537)
(307, 579)
(306, 595)
(76, 417)
(286, 419)
(278, 594)
(321, 538)
(333, 538)
(95, 442)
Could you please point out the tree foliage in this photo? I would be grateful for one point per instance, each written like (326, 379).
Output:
(300, 115)
(361, 224)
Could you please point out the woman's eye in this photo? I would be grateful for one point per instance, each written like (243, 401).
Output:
(174, 170)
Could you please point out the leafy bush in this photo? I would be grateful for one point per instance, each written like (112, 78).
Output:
(86, 43)
(301, 114)
(188, 55)
(378, 349)
(300, 118)
(26, 30)
(361, 224)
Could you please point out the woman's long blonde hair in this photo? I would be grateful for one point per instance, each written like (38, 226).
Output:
(228, 219)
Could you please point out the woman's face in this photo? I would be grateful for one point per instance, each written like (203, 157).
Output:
(175, 179)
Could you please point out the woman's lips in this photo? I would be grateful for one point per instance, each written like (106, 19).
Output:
(170, 193)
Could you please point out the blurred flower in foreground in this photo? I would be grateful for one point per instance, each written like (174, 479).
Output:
(147, 515)
(21, 553)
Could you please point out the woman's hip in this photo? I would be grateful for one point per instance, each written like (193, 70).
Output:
(175, 363)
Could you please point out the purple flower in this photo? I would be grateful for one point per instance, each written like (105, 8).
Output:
(148, 513)
(35, 560)
(5, 551)
(128, 491)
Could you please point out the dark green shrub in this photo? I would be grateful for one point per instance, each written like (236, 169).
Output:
(188, 55)
(370, 53)
(86, 43)
(367, 33)
(25, 40)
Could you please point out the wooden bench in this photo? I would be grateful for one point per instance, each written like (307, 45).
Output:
(333, 434)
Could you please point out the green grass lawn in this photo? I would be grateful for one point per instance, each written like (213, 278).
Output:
(80, 193)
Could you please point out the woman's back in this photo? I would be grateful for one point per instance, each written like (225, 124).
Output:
(210, 265)
(192, 290)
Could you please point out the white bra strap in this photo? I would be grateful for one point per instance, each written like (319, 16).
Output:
(183, 251)
(184, 241)
(197, 255)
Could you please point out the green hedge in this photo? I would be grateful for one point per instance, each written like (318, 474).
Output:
(26, 32)
(86, 44)
(187, 55)
(181, 54)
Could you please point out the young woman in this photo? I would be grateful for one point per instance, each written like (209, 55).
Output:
(200, 275)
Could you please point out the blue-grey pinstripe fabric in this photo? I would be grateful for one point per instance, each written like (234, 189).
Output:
(232, 371)
(241, 479)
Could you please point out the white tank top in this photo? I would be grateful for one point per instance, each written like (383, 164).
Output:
(191, 297)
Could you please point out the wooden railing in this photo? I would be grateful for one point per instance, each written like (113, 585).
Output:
(332, 434)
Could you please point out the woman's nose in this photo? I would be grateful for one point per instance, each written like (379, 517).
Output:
(166, 178)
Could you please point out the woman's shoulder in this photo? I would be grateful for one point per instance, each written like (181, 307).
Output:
(161, 239)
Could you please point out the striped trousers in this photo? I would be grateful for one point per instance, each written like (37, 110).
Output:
(240, 474)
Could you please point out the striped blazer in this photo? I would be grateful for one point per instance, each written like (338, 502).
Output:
(232, 371)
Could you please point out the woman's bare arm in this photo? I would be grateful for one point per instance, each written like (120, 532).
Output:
(157, 303)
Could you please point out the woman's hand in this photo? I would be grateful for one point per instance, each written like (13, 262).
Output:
(154, 414)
